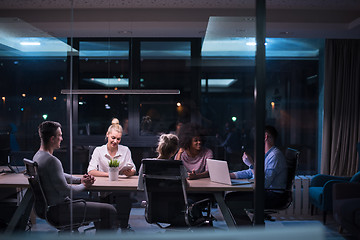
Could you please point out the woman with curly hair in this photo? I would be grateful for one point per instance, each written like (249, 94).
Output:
(192, 152)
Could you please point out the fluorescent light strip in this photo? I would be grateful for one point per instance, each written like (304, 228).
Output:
(30, 43)
(121, 91)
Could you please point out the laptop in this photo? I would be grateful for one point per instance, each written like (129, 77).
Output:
(219, 173)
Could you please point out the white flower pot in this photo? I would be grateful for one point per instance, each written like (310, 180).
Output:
(113, 173)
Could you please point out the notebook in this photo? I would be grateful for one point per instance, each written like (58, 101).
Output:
(219, 172)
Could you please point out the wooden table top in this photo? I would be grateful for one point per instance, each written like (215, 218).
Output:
(127, 184)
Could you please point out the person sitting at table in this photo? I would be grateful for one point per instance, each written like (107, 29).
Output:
(99, 167)
(275, 178)
(57, 187)
(166, 149)
(192, 152)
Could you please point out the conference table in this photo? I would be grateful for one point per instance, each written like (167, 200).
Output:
(12, 180)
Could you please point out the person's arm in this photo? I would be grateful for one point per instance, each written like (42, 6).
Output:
(128, 161)
(270, 173)
(192, 175)
(71, 179)
(248, 160)
(244, 174)
(178, 154)
(58, 179)
(98, 173)
(94, 164)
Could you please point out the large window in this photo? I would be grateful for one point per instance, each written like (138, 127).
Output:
(165, 65)
(215, 93)
(30, 93)
(102, 65)
(292, 99)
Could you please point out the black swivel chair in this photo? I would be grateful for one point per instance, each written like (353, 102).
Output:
(41, 205)
(166, 198)
(292, 159)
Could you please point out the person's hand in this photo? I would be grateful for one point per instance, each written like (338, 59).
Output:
(192, 175)
(178, 155)
(128, 172)
(87, 180)
(247, 159)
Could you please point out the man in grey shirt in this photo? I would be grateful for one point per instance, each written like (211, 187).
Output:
(57, 185)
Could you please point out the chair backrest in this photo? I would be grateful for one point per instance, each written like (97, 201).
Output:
(165, 191)
(292, 158)
(31, 173)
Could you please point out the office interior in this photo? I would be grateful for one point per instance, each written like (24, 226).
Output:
(152, 64)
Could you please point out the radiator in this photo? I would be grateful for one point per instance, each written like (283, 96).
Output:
(300, 204)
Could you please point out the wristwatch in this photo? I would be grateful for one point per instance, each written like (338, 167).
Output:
(251, 166)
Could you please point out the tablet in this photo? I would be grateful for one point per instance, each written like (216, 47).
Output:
(126, 167)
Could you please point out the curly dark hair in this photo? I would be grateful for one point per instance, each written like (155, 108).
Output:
(188, 132)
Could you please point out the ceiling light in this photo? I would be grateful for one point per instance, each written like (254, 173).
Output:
(30, 43)
(251, 43)
(221, 83)
(109, 82)
(22, 36)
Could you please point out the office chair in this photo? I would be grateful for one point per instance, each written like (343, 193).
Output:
(166, 198)
(41, 205)
(292, 159)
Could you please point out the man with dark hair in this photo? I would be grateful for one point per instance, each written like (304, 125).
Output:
(57, 187)
(275, 180)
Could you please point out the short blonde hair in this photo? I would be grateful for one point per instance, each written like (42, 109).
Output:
(115, 127)
(167, 145)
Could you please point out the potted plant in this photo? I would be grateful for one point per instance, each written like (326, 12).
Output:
(113, 169)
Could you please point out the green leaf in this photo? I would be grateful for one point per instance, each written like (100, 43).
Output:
(114, 163)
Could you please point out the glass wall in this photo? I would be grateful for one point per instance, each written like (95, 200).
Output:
(214, 78)
(292, 98)
(102, 65)
(218, 95)
(30, 92)
(165, 65)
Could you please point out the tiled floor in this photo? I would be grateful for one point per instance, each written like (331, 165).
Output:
(141, 227)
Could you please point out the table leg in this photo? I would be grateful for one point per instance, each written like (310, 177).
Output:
(230, 222)
(22, 213)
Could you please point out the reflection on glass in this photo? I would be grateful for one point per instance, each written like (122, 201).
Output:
(160, 114)
(104, 65)
(97, 111)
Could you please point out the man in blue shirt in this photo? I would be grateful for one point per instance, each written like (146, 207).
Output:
(275, 180)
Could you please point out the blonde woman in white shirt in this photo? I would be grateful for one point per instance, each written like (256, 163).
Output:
(99, 165)
(99, 162)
